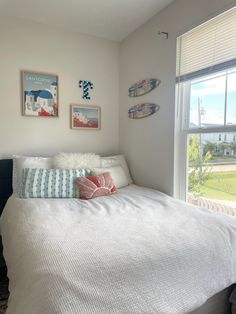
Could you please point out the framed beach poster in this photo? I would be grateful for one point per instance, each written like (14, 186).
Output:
(85, 117)
(39, 94)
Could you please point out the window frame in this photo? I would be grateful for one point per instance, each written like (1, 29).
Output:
(182, 130)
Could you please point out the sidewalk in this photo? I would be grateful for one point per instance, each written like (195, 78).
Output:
(222, 168)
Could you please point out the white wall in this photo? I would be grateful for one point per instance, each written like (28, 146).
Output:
(149, 143)
(26, 45)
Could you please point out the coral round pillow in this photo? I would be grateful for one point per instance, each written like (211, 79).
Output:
(94, 186)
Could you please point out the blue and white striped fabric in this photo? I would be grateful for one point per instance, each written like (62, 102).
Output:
(51, 183)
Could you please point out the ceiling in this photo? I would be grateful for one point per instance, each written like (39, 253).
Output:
(111, 19)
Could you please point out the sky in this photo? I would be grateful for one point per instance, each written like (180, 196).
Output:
(210, 94)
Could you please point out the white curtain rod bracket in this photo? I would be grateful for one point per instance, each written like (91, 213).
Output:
(164, 35)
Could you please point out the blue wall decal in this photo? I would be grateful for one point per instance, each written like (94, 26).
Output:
(86, 85)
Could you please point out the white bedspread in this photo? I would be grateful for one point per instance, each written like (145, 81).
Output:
(137, 251)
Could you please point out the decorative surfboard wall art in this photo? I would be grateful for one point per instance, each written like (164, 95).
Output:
(143, 87)
(86, 85)
(142, 110)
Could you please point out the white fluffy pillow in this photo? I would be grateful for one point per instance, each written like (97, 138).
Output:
(76, 161)
(117, 160)
(117, 173)
(21, 162)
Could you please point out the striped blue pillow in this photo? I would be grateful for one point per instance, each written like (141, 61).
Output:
(51, 183)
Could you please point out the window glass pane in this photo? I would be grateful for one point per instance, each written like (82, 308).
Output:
(231, 99)
(207, 102)
(212, 171)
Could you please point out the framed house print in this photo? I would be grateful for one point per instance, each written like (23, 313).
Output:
(39, 94)
(85, 117)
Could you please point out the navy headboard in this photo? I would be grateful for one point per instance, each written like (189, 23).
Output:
(5, 181)
(5, 192)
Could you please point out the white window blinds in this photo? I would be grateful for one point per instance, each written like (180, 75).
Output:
(208, 47)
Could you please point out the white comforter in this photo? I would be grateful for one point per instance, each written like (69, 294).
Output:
(137, 251)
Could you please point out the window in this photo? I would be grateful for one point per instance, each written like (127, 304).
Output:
(205, 149)
(212, 100)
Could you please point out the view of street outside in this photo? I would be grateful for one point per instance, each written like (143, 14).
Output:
(212, 156)
(212, 170)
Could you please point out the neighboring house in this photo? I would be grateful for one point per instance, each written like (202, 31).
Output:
(218, 138)
(222, 141)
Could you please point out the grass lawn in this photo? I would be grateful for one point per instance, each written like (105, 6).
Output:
(221, 186)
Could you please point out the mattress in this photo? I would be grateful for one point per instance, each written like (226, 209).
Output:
(137, 251)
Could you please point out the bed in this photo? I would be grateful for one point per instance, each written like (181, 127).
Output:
(136, 251)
